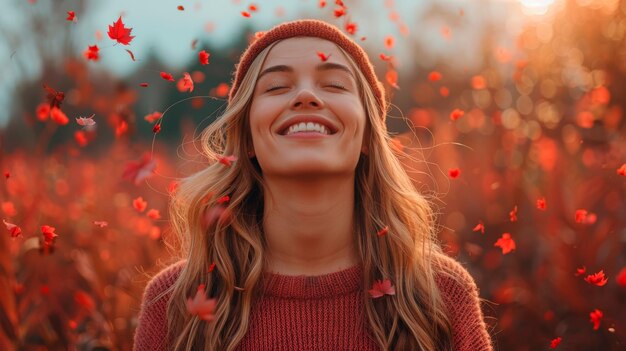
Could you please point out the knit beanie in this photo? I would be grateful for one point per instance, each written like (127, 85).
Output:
(311, 28)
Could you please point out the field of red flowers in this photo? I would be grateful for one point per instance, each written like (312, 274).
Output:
(526, 155)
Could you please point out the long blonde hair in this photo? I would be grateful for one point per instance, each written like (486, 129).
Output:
(414, 319)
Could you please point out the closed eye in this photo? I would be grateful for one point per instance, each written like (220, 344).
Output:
(337, 85)
(274, 88)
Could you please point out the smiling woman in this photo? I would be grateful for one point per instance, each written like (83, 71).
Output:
(325, 244)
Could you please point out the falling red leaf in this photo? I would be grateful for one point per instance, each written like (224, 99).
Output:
(595, 317)
(203, 57)
(222, 90)
(153, 116)
(385, 57)
(186, 84)
(201, 306)
(81, 138)
(86, 121)
(54, 97)
(156, 129)
(253, 8)
(383, 231)
(211, 267)
(580, 271)
(381, 288)
(323, 56)
(392, 78)
(622, 170)
(597, 279)
(454, 173)
(351, 28)
(71, 16)
(48, 233)
(132, 56)
(443, 91)
(322, 3)
(167, 76)
(58, 116)
(226, 160)
(621, 277)
(434, 76)
(555, 342)
(223, 199)
(13, 229)
(180, 8)
(121, 128)
(480, 226)
(340, 11)
(456, 114)
(541, 203)
(506, 243)
(92, 53)
(245, 14)
(580, 216)
(119, 32)
(153, 214)
(143, 85)
(137, 171)
(140, 204)
(389, 41)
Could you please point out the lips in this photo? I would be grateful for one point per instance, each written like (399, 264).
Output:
(282, 129)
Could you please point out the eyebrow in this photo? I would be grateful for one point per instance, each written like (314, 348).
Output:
(326, 66)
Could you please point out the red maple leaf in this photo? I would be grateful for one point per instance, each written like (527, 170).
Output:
(136, 171)
(203, 57)
(167, 76)
(92, 52)
(595, 317)
(454, 173)
(323, 56)
(140, 204)
(383, 231)
(13, 229)
(456, 114)
(597, 279)
(119, 32)
(185, 83)
(55, 97)
(48, 233)
(555, 342)
(71, 16)
(480, 226)
(201, 306)
(506, 243)
(380, 288)
(227, 160)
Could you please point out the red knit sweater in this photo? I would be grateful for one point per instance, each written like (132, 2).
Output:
(322, 312)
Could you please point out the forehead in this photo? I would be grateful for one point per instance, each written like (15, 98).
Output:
(304, 51)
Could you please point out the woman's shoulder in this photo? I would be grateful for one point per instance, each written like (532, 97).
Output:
(163, 280)
(452, 277)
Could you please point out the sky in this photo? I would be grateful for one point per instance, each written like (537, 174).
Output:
(170, 32)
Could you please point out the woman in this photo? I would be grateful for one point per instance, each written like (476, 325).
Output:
(320, 211)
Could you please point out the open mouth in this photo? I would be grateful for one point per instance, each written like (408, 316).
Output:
(309, 128)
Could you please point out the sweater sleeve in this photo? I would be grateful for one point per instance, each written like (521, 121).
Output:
(151, 329)
(460, 295)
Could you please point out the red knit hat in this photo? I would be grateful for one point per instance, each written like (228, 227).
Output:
(311, 28)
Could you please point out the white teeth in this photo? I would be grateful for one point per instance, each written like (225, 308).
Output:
(307, 127)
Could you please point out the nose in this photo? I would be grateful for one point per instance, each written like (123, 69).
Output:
(306, 98)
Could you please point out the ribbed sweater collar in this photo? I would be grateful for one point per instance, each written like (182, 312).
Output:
(314, 287)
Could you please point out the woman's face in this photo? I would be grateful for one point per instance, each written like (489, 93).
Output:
(296, 88)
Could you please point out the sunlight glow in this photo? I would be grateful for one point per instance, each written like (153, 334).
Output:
(536, 7)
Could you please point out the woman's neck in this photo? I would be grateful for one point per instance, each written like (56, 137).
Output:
(308, 225)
